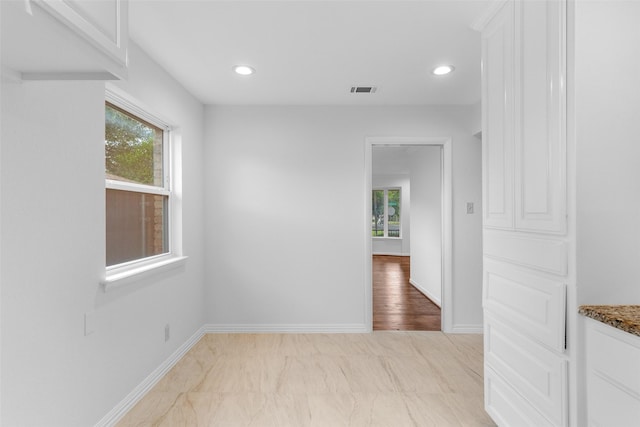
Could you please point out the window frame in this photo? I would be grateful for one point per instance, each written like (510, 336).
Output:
(118, 274)
(386, 190)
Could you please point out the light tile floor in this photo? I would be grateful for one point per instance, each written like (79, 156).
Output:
(327, 380)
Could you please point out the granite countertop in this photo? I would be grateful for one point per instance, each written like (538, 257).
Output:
(623, 317)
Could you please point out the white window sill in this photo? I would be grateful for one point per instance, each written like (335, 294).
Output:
(385, 238)
(117, 279)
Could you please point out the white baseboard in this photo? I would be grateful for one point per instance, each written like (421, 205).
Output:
(391, 253)
(286, 328)
(426, 293)
(467, 329)
(141, 390)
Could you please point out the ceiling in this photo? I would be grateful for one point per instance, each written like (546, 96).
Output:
(312, 52)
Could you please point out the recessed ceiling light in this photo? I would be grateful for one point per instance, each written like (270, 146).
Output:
(443, 69)
(243, 70)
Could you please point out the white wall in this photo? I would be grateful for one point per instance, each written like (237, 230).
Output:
(603, 119)
(426, 217)
(394, 246)
(607, 91)
(53, 255)
(475, 119)
(285, 212)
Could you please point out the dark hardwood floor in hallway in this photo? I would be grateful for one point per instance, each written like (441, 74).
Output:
(397, 305)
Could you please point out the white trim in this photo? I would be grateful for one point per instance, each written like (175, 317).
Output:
(7, 75)
(68, 76)
(368, 241)
(391, 253)
(143, 388)
(113, 184)
(426, 293)
(346, 328)
(116, 50)
(122, 99)
(483, 19)
(447, 237)
(447, 223)
(467, 329)
(120, 277)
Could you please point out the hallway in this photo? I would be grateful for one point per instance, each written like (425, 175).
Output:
(397, 305)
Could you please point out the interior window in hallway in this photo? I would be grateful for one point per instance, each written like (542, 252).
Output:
(397, 305)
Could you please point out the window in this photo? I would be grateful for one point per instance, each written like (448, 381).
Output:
(137, 187)
(385, 219)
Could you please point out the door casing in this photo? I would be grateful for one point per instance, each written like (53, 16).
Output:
(447, 219)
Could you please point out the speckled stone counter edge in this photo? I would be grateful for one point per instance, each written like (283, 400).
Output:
(623, 317)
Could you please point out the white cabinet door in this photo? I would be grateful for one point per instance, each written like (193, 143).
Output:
(537, 374)
(613, 376)
(103, 23)
(497, 108)
(525, 244)
(507, 407)
(533, 301)
(540, 195)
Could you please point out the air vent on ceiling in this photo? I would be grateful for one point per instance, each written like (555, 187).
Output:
(363, 89)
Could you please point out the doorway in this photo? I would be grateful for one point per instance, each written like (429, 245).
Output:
(444, 259)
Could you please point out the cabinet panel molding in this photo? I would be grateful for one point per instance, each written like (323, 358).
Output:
(533, 251)
(538, 374)
(613, 376)
(540, 141)
(497, 107)
(104, 24)
(533, 304)
(614, 359)
(506, 406)
(610, 406)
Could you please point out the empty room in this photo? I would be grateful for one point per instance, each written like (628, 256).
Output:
(197, 199)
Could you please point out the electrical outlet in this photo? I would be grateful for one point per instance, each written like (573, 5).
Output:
(167, 332)
(469, 208)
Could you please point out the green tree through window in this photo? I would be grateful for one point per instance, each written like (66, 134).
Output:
(393, 213)
(130, 148)
(377, 221)
(385, 215)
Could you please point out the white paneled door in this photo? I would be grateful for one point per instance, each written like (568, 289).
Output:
(525, 214)
(540, 143)
(498, 124)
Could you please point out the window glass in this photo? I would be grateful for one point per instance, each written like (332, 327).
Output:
(133, 148)
(136, 226)
(137, 216)
(385, 215)
(377, 219)
(393, 213)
